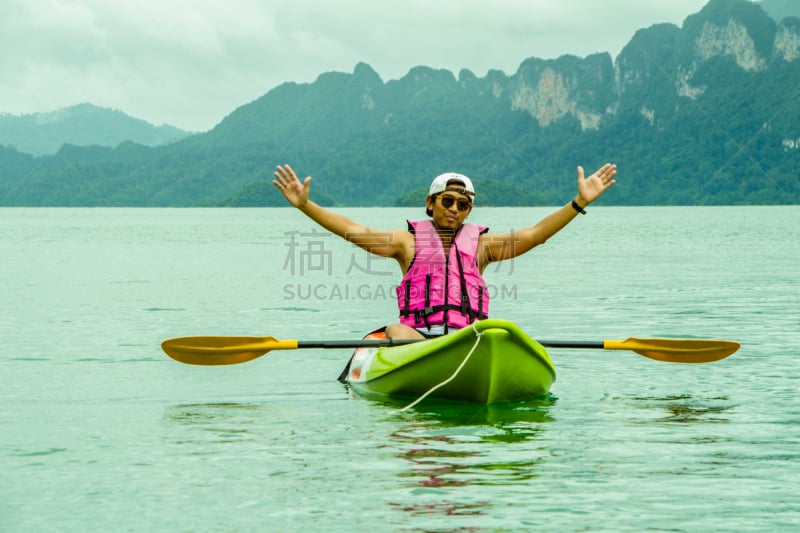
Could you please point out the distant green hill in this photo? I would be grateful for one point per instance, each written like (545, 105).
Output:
(80, 125)
(262, 194)
(489, 193)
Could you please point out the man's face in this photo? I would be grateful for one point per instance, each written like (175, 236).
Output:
(450, 209)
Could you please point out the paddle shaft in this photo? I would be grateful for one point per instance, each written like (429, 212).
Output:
(355, 343)
(398, 342)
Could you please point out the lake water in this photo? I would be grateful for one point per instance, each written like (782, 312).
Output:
(102, 432)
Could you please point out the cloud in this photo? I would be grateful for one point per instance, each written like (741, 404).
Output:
(189, 63)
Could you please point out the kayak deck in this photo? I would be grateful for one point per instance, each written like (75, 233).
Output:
(503, 364)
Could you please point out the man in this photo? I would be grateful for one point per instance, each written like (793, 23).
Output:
(442, 259)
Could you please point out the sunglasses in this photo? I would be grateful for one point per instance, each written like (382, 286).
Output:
(462, 204)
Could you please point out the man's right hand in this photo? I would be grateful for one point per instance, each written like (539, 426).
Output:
(286, 181)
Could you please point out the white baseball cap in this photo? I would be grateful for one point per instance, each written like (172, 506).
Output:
(440, 182)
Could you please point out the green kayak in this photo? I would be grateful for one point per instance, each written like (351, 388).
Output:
(491, 361)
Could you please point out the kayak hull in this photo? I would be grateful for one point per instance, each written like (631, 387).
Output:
(492, 361)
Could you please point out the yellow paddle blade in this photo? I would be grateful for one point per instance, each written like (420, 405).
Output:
(676, 350)
(222, 350)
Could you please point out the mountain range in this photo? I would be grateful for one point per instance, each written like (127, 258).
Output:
(706, 113)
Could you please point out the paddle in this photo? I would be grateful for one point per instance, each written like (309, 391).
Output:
(232, 350)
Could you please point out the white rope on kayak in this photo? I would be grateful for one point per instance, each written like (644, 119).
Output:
(478, 335)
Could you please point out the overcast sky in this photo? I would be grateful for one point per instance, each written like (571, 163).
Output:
(189, 63)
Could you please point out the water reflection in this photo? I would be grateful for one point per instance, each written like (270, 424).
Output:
(687, 409)
(463, 414)
(448, 509)
(218, 422)
(452, 449)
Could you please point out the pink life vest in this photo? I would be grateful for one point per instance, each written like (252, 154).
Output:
(443, 290)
